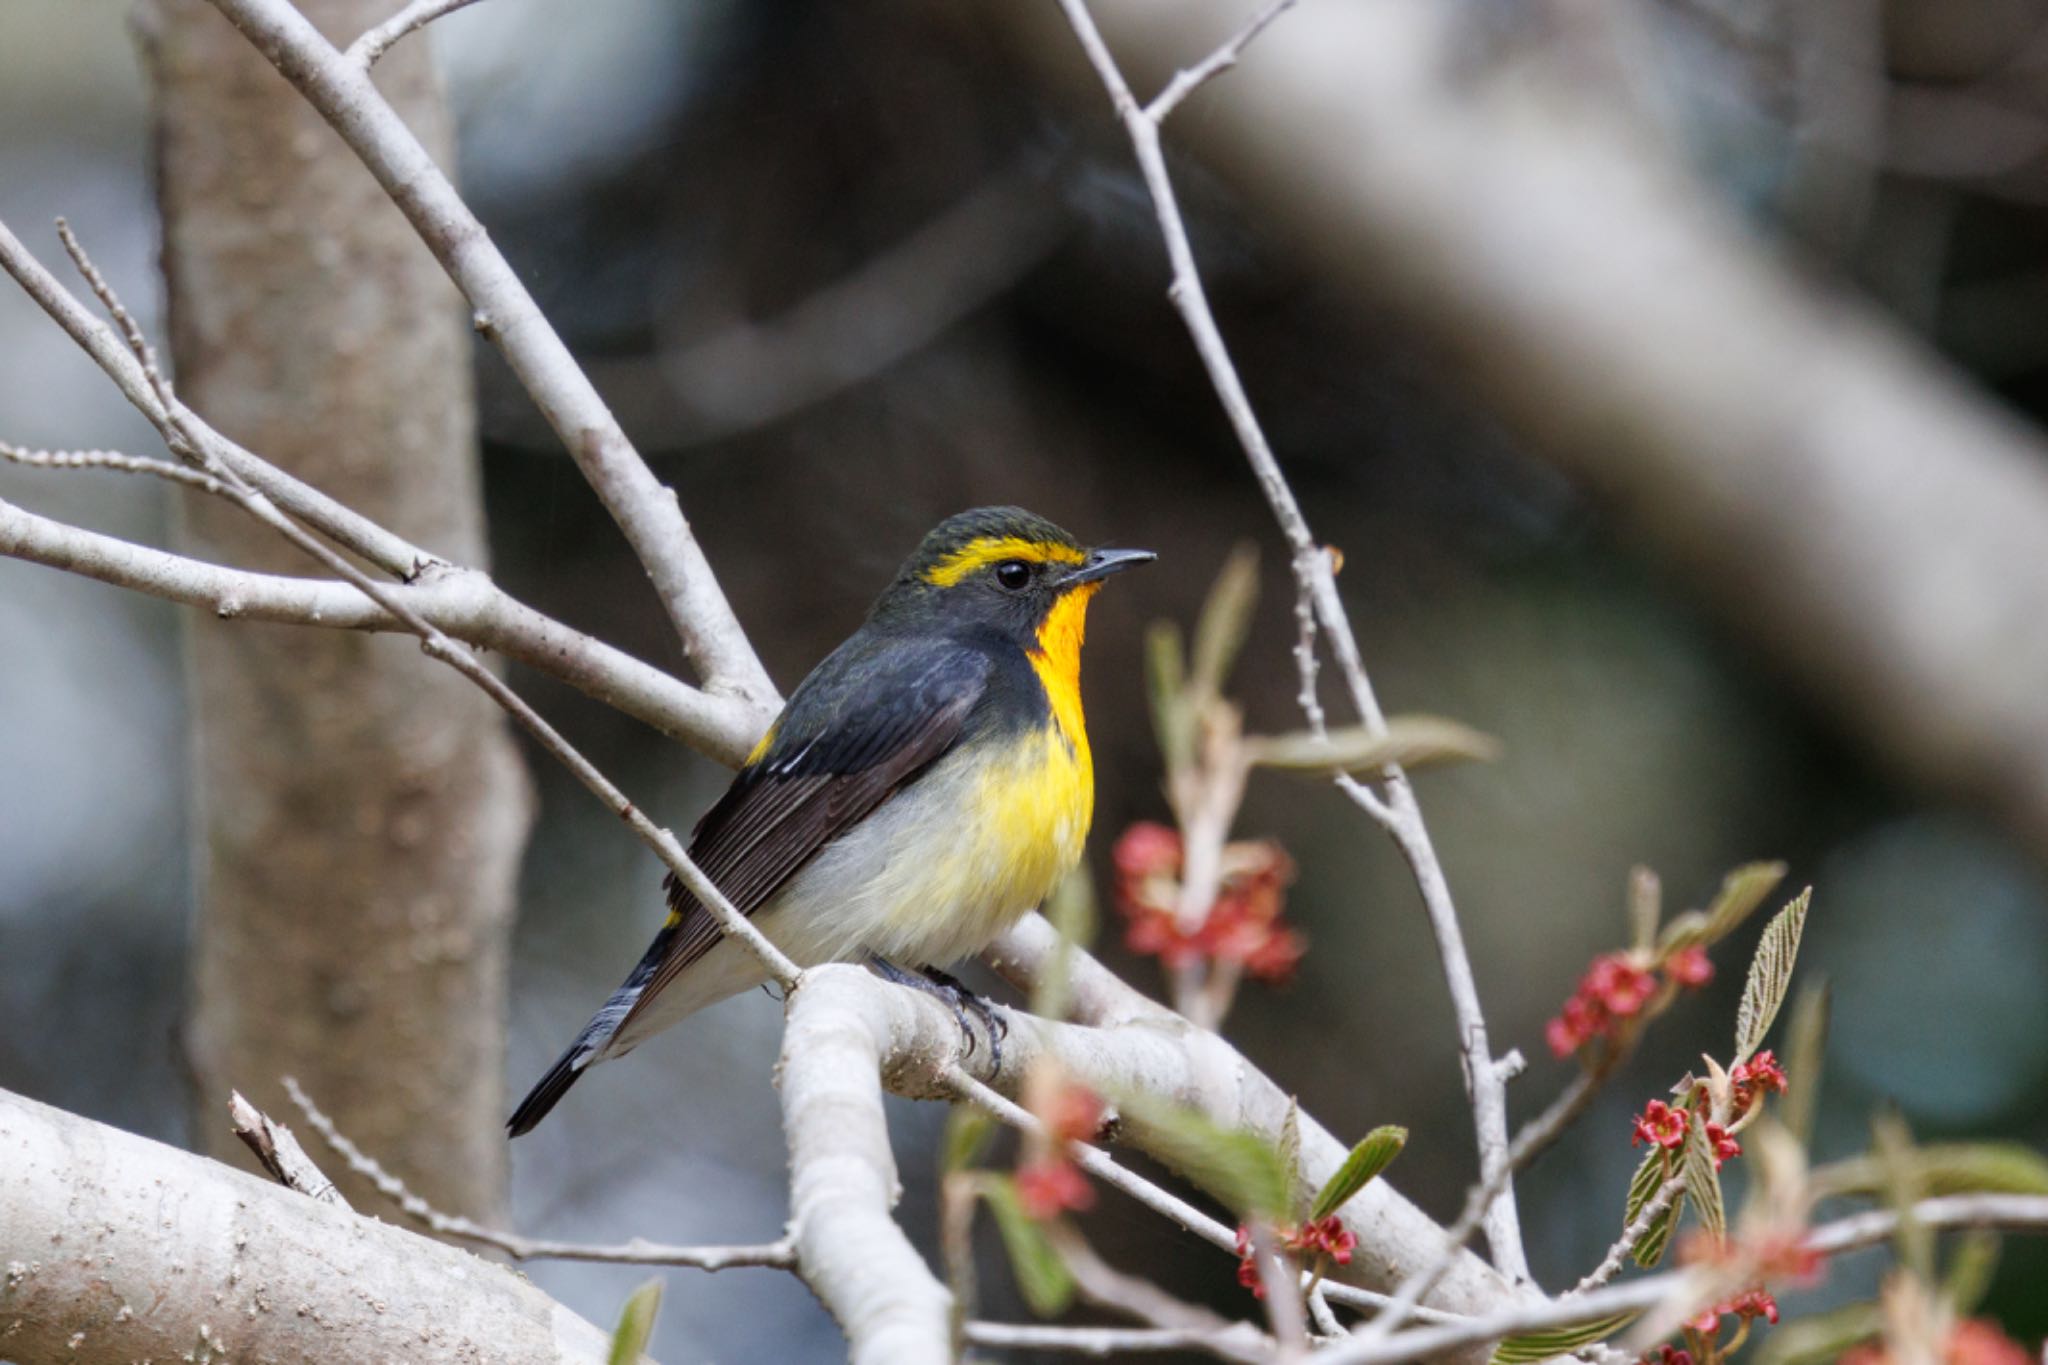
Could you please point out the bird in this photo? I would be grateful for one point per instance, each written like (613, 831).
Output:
(926, 785)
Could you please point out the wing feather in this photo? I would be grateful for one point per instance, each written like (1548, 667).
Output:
(851, 736)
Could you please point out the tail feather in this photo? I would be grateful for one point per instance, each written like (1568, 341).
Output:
(590, 1044)
(551, 1088)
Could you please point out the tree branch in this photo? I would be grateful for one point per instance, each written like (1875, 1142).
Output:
(123, 1249)
(180, 432)
(463, 603)
(506, 313)
(375, 42)
(1485, 1077)
(638, 1251)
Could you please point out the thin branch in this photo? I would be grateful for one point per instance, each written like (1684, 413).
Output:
(1399, 812)
(108, 459)
(1103, 1284)
(1186, 82)
(279, 1153)
(725, 727)
(506, 313)
(1157, 1198)
(462, 602)
(1618, 1254)
(780, 1254)
(1103, 1343)
(177, 433)
(350, 529)
(375, 42)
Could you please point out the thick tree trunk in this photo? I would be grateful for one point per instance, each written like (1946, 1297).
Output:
(360, 811)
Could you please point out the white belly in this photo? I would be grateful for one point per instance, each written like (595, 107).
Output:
(929, 877)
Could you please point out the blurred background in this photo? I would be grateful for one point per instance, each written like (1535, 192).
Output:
(845, 269)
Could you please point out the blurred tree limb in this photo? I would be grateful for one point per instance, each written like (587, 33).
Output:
(1852, 502)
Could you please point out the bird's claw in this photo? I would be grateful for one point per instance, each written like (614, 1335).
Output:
(958, 998)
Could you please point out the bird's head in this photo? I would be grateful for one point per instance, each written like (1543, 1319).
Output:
(1006, 568)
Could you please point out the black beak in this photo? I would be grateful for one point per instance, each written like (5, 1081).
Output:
(1100, 564)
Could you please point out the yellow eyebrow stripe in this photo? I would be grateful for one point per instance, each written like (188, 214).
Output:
(987, 550)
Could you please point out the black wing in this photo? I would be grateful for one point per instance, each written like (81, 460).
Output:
(870, 718)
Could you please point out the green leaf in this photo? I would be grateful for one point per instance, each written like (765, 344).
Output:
(1822, 1339)
(1650, 1249)
(1943, 1168)
(636, 1324)
(1242, 1169)
(1645, 906)
(1644, 1184)
(1702, 1181)
(1538, 1346)
(1173, 720)
(1374, 1152)
(1290, 1146)
(1411, 741)
(967, 1133)
(1225, 620)
(1682, 931)
(1806, 1044)
(1770, 976)
(1742, 891)
(1970, 1268)
(1047, 1285)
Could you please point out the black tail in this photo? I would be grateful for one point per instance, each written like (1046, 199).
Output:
(552, 1087)
(592, 1041)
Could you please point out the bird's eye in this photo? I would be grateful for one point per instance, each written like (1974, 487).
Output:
(1013, 574)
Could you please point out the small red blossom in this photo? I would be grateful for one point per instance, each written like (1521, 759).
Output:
(1051, 1185)
(1689, 967)
(1242, 925)
(1777, 1256)
(1618, 984)
(1661, 1125)
(1073, 1113)
(1147, 849)
(1669, 1355)
(1324, 1237)
(1613, 990)
(1248, 1265)
(1724, 1145)
(1759, 1076)
(1751, 1303)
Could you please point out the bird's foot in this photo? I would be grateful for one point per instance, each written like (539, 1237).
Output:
(956, 996)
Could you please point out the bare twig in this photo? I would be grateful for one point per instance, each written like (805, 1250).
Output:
(107, 459)
(1103, 1284)
(1185, 82)
(388, 551)
(480, 612)
(375, 42)
(1161, 1201)
(462, 602)
(1104, 1343)
(780, 1254)
(644, 510)
(1618, 1254)
(1398, 810)
(279, 1153)
(177, 433)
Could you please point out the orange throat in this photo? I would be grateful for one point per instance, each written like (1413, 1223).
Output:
(1057, 661)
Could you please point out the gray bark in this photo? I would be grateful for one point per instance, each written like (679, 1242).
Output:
(359, 810)
(120, 1249)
